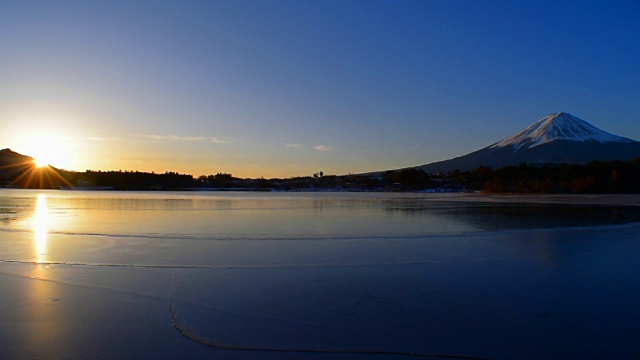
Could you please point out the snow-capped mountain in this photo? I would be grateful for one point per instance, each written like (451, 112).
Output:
(560, 126)
(556, 138)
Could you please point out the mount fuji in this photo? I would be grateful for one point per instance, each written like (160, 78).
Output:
(556, 138)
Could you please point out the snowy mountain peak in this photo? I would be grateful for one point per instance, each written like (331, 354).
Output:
(560, 126)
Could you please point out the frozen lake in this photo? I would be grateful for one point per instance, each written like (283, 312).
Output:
(145, 275)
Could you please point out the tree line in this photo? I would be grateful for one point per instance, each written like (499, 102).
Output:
(594, 177)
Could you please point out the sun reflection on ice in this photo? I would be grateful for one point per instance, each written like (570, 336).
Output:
(40, 224)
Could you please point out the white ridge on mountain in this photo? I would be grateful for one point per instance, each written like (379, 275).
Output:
(560, 126)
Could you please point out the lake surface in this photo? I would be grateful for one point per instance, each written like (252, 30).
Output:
(317, 275)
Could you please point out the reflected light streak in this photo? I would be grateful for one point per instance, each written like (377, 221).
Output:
(40, 222)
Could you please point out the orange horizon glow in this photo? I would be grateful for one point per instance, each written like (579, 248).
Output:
(80, 153)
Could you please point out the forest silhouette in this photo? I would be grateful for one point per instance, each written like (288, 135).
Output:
(19, 171)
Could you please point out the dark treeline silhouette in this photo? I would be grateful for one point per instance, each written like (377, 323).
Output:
(595, 177)
(134, 180)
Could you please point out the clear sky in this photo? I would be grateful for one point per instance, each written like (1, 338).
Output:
(280, 88)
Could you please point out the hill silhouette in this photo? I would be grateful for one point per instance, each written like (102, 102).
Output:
(20, 171)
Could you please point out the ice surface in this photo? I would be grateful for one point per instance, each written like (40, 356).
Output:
(530, 294)
(497, 281)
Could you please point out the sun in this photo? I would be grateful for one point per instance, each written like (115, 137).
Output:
(46, 150)
(40, 163)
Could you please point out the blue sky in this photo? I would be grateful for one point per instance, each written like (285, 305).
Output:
(286, 88)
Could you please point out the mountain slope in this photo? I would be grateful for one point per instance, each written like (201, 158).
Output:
(9, 157)
(13, 164)
(556, 138)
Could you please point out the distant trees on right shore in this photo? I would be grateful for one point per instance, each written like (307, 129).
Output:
(594, 177)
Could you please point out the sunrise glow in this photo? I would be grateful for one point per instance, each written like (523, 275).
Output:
(47, 150)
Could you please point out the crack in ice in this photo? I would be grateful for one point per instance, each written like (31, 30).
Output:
(222, 346)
